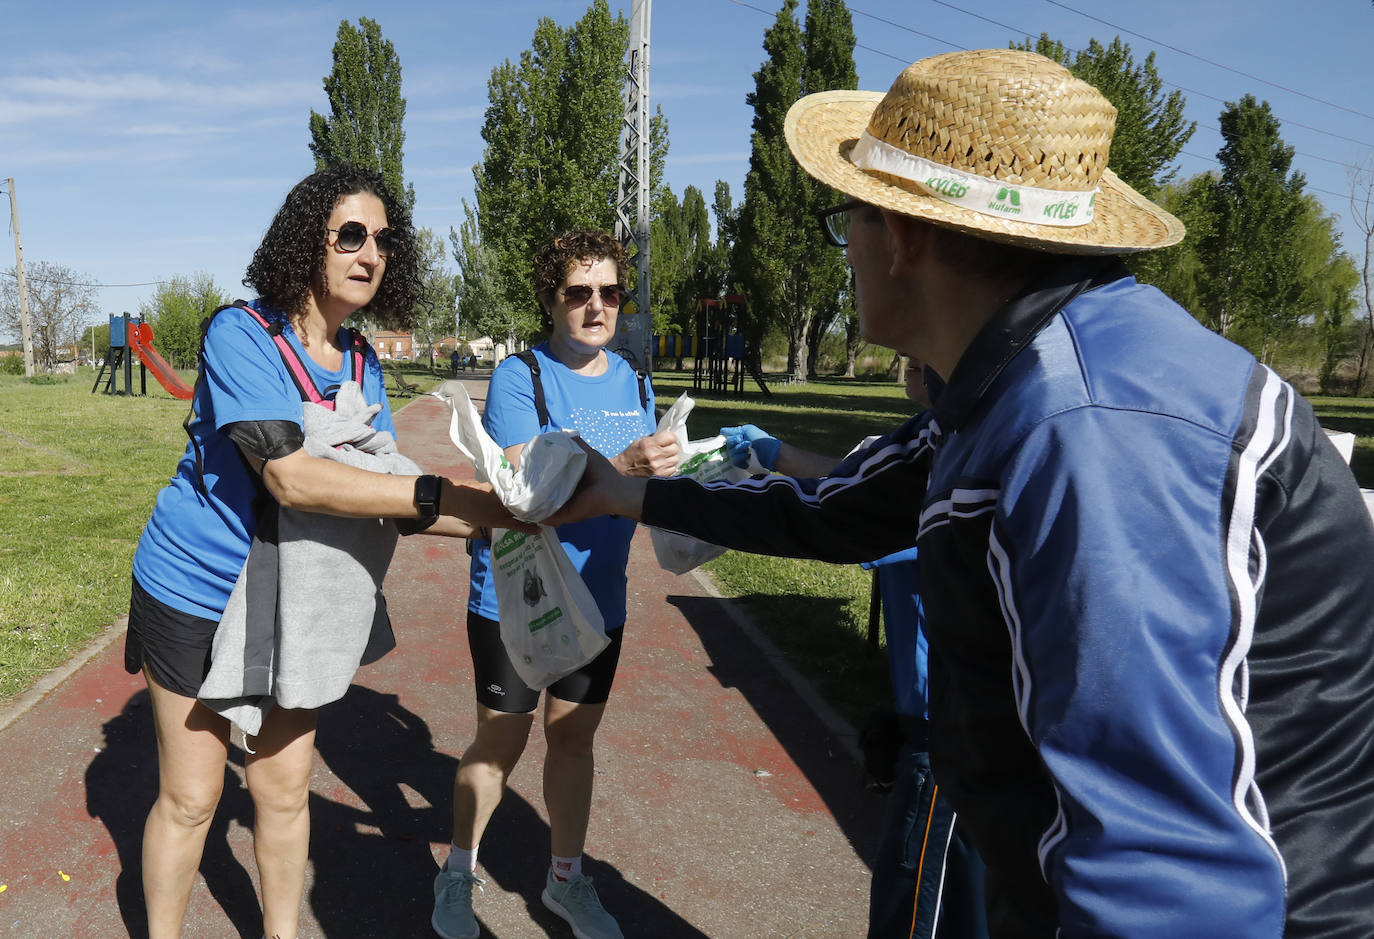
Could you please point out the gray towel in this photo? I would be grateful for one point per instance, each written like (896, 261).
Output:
(307, 608)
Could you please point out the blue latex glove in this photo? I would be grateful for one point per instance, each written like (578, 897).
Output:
(739, 441)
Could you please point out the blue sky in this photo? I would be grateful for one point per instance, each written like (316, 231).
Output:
(149, 139)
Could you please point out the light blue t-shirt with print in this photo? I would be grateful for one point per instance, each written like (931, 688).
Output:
(605, 410)
(195, 543)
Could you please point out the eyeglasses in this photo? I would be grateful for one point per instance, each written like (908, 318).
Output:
(835, 222)
(578, 294)
(353, 235)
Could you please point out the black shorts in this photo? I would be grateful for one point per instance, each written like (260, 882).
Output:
(174, 645)
(500, 688)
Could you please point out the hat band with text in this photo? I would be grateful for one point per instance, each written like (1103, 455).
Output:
(984, 196)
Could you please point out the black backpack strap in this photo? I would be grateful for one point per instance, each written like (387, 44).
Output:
(357, 344)
(541, 409)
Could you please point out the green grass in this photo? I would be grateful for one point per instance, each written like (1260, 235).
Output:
(79, 474)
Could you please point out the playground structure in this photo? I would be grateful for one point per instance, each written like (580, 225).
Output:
(720, 350)
(131, 338)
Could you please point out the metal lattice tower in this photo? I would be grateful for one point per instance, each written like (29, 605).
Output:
(635, 333)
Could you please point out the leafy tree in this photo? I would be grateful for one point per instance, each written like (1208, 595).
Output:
(176, 310)
(1150, 127)
(669, 261)
(684, 266)
(484, 307)
(1336, 328)
(367, 112)
(1256, 268)
(60, 304)
(434, 315)
(1362, 213)
(552, 130)
(1180, 270)
(787, 268)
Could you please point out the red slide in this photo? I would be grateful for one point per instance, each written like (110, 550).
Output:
(141, 342)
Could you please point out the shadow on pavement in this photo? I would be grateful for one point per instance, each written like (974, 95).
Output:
(121, 784)
(374, 871)
(838, 781)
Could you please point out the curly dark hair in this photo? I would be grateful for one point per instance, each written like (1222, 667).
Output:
(552, 264)
(290, 259)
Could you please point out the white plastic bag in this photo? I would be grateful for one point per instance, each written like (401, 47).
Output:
(550, 623)
(705, 461)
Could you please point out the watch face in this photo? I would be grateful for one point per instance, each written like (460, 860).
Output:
(427, 495)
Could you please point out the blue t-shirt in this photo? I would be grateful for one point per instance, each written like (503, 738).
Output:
(605, 410)
(906, 639)
(194, 544)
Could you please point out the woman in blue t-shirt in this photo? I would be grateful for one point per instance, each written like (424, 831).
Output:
(341, 241)
(579, 279)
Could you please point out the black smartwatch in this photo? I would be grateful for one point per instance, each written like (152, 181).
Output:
(428, 490)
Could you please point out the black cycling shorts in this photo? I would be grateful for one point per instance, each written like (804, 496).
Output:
(500, 688)
(174, 645)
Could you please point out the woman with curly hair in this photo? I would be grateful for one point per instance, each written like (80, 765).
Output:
(570, 382)
(340, 242)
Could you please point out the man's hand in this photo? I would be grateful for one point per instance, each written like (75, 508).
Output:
(649, 456)
(476, 504)
(740, 441)
(602, 491)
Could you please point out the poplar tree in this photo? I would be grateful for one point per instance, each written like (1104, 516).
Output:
(552, 132)
(789, 272)
(1258, 266)
(367, 112)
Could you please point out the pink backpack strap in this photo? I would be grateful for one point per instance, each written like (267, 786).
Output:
(294, 366)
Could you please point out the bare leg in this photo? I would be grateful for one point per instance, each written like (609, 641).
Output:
(483, 771)
(192, 746)
(279, 781)
(570, 730)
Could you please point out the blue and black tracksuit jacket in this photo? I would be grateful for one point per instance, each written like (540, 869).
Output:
(1151, 623)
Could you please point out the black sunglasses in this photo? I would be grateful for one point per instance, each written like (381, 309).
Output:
(835, 222)
(578, 294)
(353, 235)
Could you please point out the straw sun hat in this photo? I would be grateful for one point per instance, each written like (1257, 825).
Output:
(1001, 144)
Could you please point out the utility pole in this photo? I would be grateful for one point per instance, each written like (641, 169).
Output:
(24, 328)
(632, 195)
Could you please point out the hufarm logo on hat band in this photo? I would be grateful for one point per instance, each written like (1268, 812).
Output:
(985, 196)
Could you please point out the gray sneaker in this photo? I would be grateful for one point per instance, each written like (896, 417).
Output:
(453, 917)
(576, 901)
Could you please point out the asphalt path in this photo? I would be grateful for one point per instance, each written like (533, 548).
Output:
(728, 798)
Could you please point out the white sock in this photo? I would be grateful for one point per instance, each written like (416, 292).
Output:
(462, 859)
(566, 868)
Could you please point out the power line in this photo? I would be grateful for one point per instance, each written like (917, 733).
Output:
(72, 283)
(1200, 94)
(1197, 156)
(1294, 91)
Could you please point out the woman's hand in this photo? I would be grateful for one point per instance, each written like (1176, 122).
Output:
(476, 504)
(649, 456)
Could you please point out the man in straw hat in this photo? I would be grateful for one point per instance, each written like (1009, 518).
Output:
(1151, 674)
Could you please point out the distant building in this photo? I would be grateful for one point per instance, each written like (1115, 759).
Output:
(393, 345)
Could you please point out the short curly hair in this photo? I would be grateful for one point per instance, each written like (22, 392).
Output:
(552, 264)
(290, 259)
